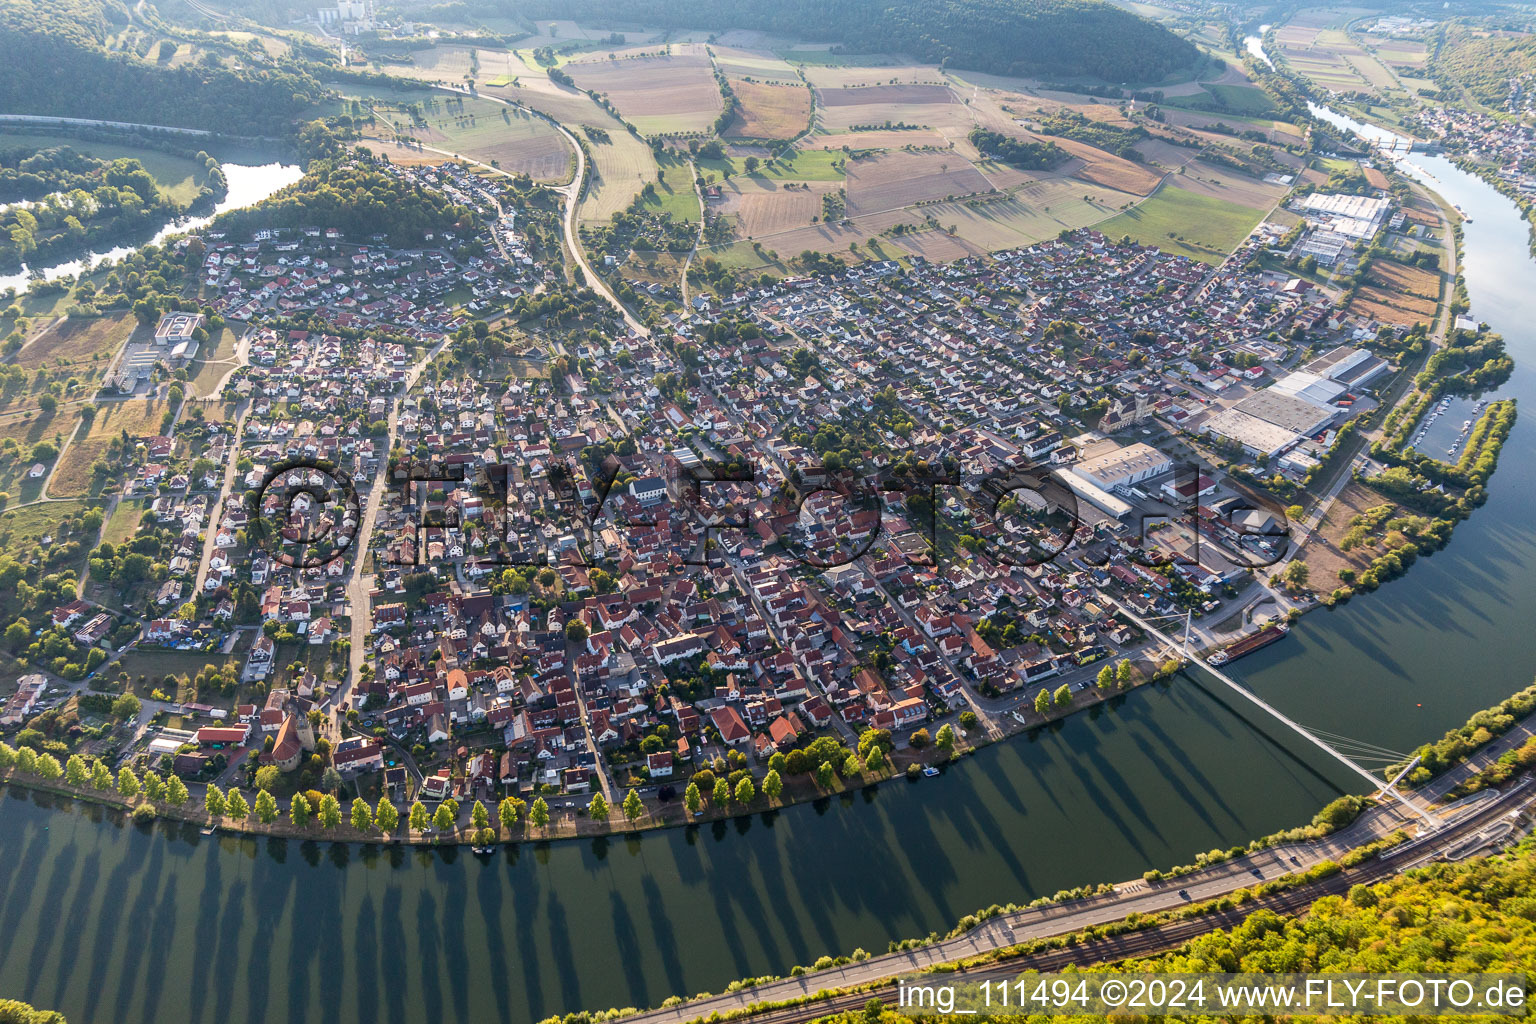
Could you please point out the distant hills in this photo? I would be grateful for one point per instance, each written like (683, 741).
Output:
(1010, 37)
(57, 62)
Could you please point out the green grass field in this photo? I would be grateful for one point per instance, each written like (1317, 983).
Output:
(178, 177)
(799, 165)
(1180, 221)
(674, 192)
(124, 522)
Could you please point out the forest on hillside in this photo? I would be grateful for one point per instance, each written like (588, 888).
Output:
(1062, 37)
(57, 63)
(357, 199)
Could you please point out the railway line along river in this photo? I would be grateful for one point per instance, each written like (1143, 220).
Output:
(104, 920)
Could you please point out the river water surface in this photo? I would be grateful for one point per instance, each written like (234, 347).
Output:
(111, 923)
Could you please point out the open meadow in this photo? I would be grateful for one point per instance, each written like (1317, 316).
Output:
(1178, 220)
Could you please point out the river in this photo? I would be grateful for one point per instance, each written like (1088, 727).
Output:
(248, 184)
(110, 922)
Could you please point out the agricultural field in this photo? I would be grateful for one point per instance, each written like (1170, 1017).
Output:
(1316, 46)
(667, 95)
(766, 111)
(620, 163)
(832, 75)
(1178, 220)
(1398, 51)
(762, 206)
(842, 109)
(1110, 171)
(1279, 132)
(1226, 184)
(759, 66)
(895, 138)
(891, 181)
(503, 136)
(1394, 293)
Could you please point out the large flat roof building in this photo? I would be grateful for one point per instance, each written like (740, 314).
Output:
(1122, 467)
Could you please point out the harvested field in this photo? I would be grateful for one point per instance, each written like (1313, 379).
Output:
(886, 94)
(938, 246)
(880, 139)
(658, 95)
(878, 105)
(1224, 183)
(1397, 294)
(762, 206)
(493, 133)
(769, 111)
(831, 75)
(759, 65)
(1108, 170)
(894, 180)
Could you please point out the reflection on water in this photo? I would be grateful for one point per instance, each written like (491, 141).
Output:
(247, 185)
(107, 921)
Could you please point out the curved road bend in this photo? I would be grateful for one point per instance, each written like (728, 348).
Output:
(1218, 880)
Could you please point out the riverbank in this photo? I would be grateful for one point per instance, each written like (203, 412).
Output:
(567, 823)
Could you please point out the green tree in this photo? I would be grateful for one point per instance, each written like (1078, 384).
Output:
(875, 762)
(154, 786)
(969, 721)
(267, 776)
(945, 740)
(266, 807)
(1063, 696)
(920, 739)
(773, 785)
(1042, 702)
(446, 818)
(330, 811)
(1123, 673)
(480, 816)
(76, 772)
(597, 810)
(691, 798)
(745, 791)
(176, 791)
(26, 761)
(126, 706)
(101, 777)
(1106, 679)
(386, 816)
(722, 794)
(1296, 575)
(127, 782)
(538, 814)
(633, 806)
(48, 767)
(825, 774)
(235, 808)
(362, 818)
(420, 820)
(298, 810)
(507, 812)
(214, 802)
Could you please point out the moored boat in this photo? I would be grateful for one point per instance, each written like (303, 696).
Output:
(1250, 643)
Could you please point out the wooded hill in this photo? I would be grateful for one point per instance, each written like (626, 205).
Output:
(57, 63)
(1009, 37)
(356, 199)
